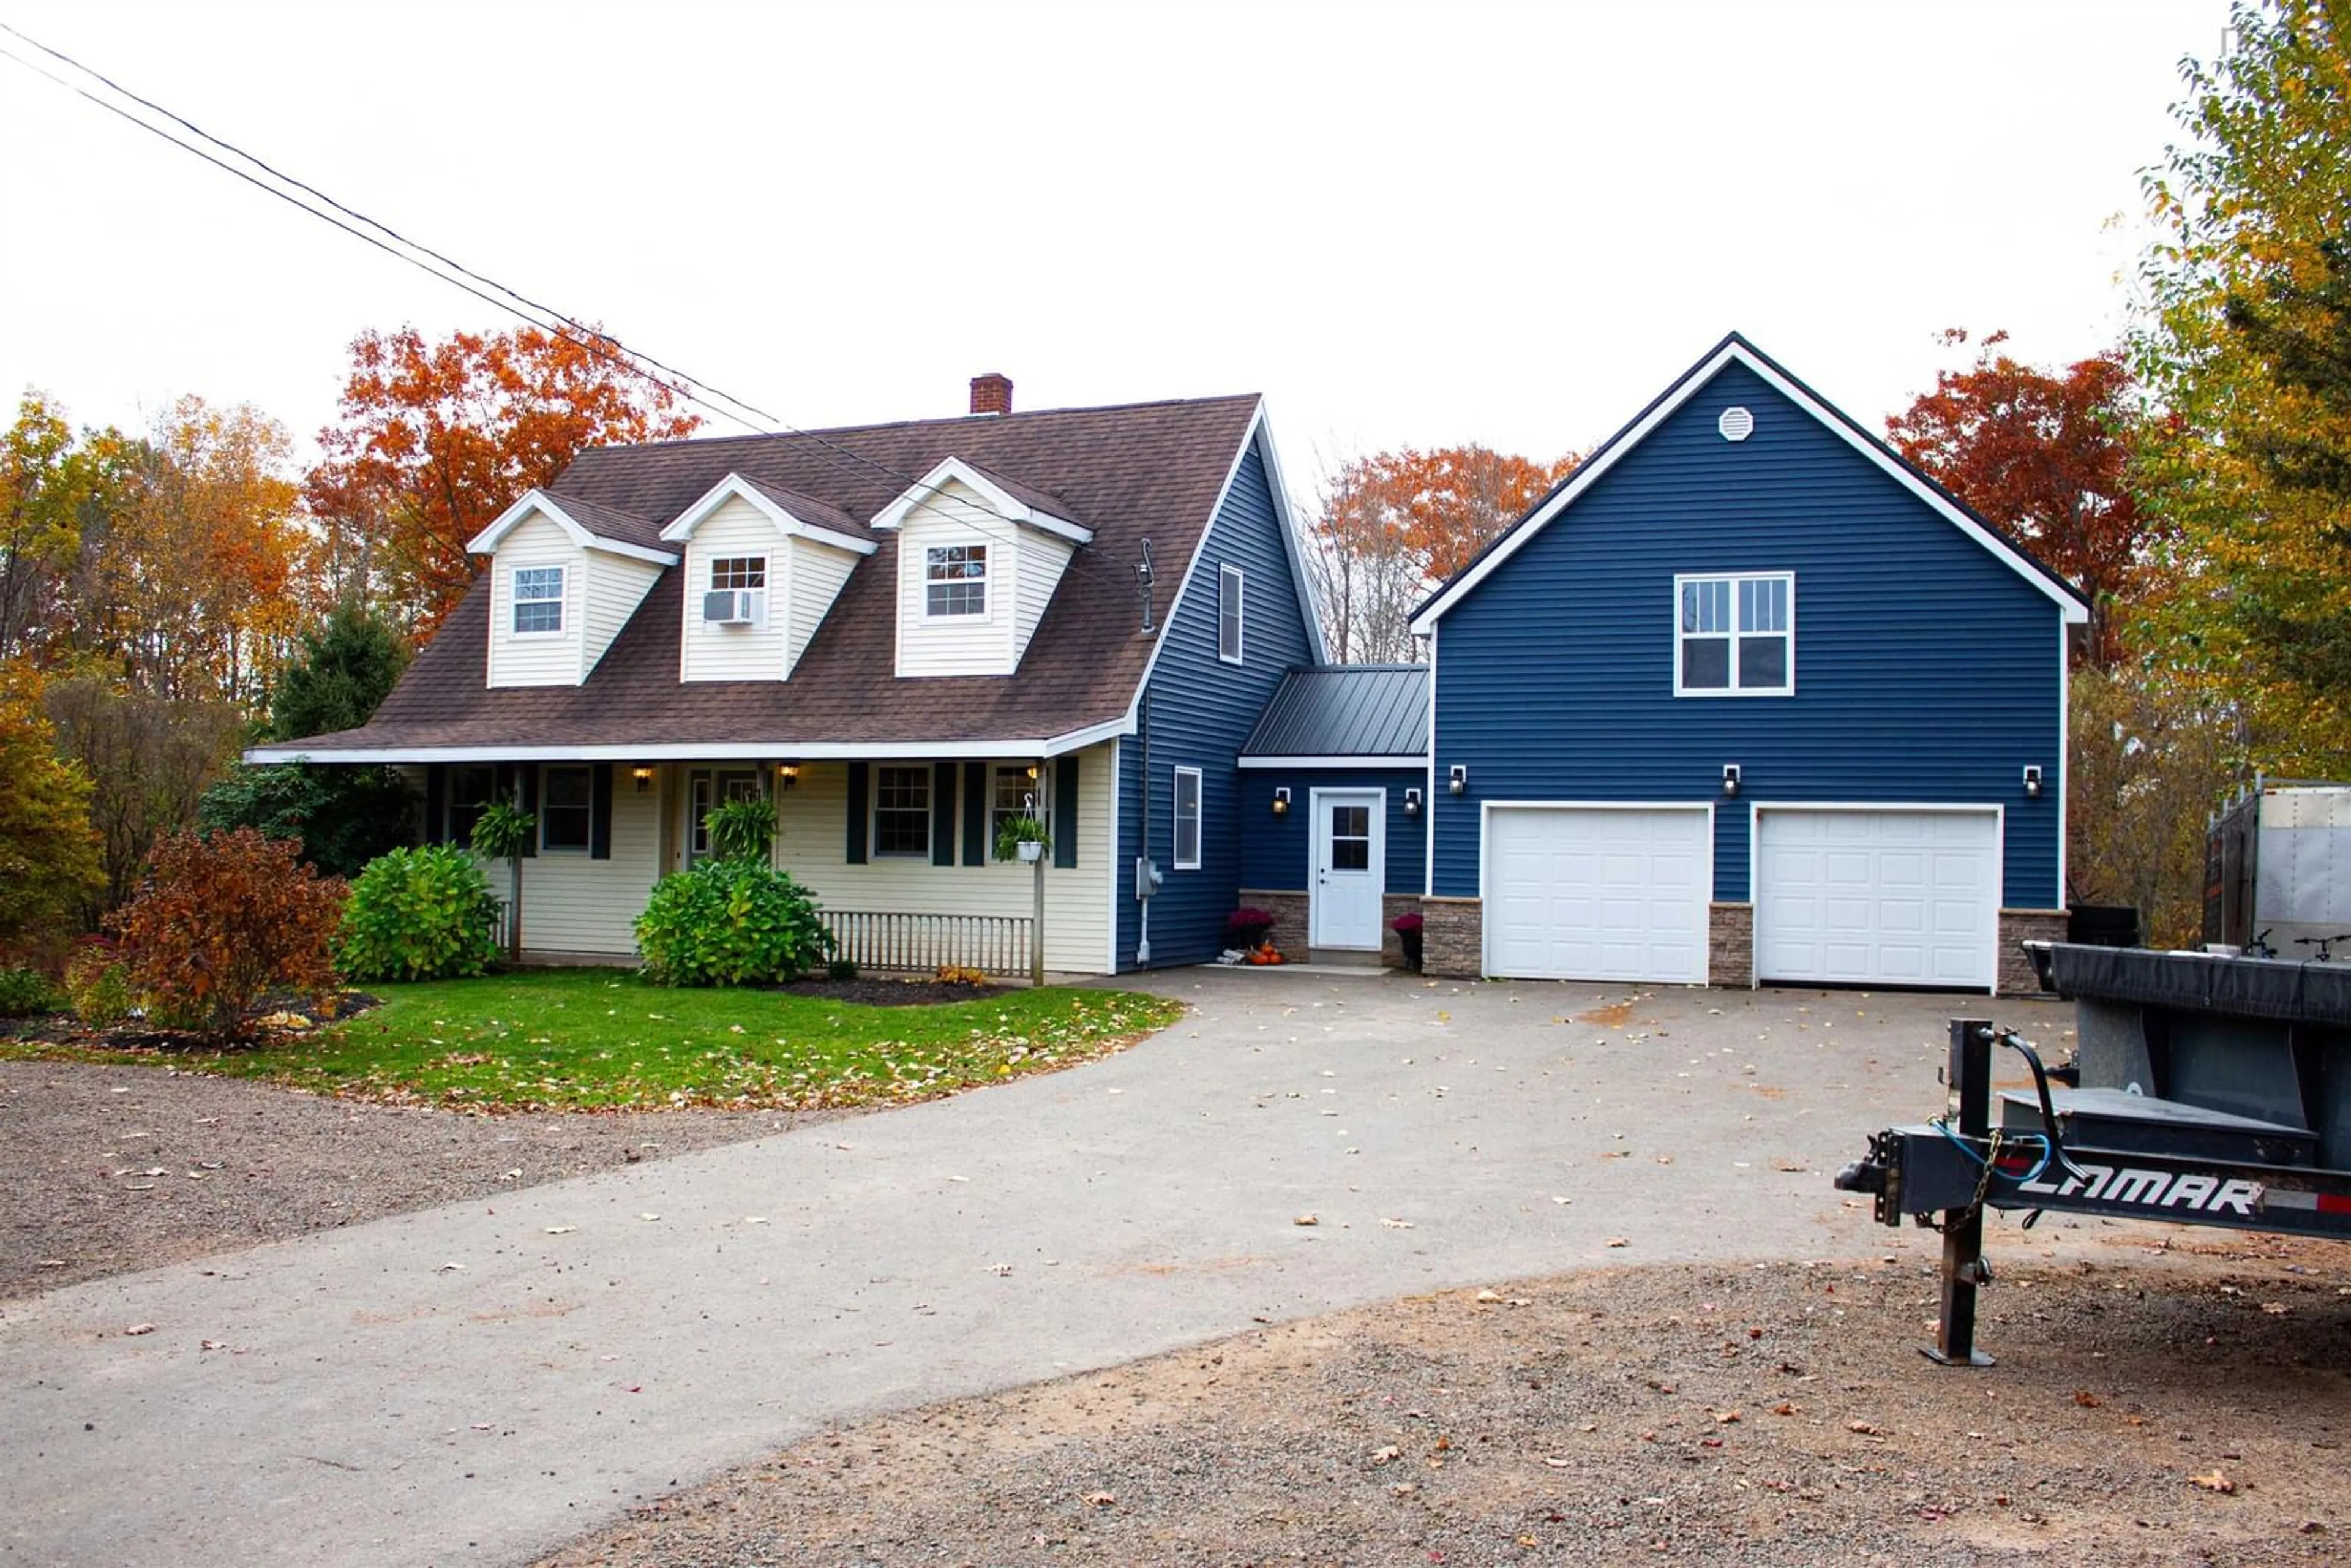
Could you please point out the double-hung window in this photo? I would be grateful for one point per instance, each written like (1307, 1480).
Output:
(1188, 818)
(1015, 795)
(955, 580)
(566, 806)
(537, 600)
(902, 811)
(1228, 613)
(1735, 635)
(472, 786)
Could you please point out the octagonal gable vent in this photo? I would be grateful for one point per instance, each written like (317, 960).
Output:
(1736, 423)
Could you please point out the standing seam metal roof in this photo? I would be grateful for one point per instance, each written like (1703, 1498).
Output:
(1346, 710)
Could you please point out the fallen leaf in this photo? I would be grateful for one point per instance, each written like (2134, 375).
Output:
(1618, 1241)
(450, 1268)
(1397, 1224)
(1386, 1455)
(140, 1328)
(2216, 1481)
(561, 1229)
(2087, 1400)
(1306, 1219)
(1866, 1428)
(1725, 1417)
(1102, 1499)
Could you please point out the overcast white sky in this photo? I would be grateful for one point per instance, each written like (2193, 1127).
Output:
(1405, 224)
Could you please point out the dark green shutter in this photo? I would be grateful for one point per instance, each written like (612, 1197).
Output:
(857, 785)
(974, 814)
(1064, 830)
(530, 805)
(436, 802)
(599, 811)
(942, 777)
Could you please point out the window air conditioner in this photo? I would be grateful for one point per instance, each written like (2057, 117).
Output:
(726, 607)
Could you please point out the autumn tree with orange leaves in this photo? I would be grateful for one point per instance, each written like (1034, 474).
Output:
(437, 439)
(1396, 524)
(2046, 456)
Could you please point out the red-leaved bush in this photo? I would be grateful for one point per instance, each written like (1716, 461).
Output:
(219, 921)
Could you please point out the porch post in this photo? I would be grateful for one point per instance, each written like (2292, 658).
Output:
(1037, 882)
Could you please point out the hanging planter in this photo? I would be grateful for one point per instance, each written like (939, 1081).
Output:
(1023, 839)
(1031, 848)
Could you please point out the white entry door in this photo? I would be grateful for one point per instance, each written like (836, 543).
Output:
(1349, 852)
(1598, 892)
(1877, 898)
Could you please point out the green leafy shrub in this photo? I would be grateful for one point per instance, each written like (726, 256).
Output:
(729, 923)
(220, 922)
(98, 986)
(741, 829)
(344, 816)
(24, 991)
(419, 914)
(841, 969)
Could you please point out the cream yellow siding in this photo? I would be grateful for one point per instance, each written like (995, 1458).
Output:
(956, 644)
(1041, 560)
(814, 842)
(753, 652)
(573, 904)
(817, 573)
(615, 585)
(551, 660)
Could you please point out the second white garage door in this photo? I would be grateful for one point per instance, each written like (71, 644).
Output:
(1589, 892)
(1872, 897)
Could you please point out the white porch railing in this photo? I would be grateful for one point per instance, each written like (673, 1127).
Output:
(992, 943)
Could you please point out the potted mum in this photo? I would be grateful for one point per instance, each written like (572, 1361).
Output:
(1407, 928)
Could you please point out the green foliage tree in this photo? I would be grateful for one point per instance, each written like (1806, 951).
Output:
(419, 914)
(730, 922)
(2150, 752)
(345, 816)
(347, 667)
(2249, 348)
(49, 854)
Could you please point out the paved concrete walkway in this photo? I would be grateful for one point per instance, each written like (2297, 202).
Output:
(479, 1383)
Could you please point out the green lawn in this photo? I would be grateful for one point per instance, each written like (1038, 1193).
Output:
(598, 1038)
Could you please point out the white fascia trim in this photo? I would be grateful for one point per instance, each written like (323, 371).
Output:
(1414, 761)
(1428, 794)
(487, 542)
(2065, 752)
(734, 488)
(1092, 734)
(664, 752)
(1293, 540)
(928, 488)
(1584, 479)
(1600, 806)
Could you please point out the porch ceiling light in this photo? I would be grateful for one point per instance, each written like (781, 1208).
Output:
(1282, 801)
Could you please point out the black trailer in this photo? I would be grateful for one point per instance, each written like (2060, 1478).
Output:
(2203, 1090)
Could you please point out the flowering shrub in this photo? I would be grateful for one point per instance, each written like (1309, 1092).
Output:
(1408, 924)
(419, 914)
(730, 922)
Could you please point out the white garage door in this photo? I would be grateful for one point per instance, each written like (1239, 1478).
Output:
(1897, 898)
(1587, 893)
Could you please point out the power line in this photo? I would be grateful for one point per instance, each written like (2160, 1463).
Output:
(448, 270)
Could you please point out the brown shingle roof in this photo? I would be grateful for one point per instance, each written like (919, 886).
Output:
(612, 523)
(812, 509)
(1144, 470)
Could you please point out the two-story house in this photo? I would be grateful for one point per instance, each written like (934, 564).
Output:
(902, 634)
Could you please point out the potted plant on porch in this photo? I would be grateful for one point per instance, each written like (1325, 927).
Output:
(1021, 838)
(1407, 928)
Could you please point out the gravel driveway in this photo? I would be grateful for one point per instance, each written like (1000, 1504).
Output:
(487, 1379)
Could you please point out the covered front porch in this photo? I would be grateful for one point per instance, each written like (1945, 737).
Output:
(898, 851)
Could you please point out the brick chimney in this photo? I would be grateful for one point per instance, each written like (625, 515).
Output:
(991, 393)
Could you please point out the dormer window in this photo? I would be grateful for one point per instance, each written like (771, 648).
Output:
(955, 580)
(739, 571)
(537, 600)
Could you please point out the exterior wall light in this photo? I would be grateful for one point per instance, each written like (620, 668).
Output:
(1412, 802)
(2032, 780)
(1282, 801)
(645, 779)
(786, 775)
(1730, 778)
(1456, 778)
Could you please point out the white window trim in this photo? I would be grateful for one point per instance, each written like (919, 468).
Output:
(986, 580)
(1031, 788)
(1734, 579)
(545, 848)
(1231, 579)
(1199, 818)
(873, 849)
(562, 601)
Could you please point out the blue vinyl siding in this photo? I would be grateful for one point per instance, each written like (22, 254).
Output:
(1277, 852)
(1927, 669)
(1202, 709)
